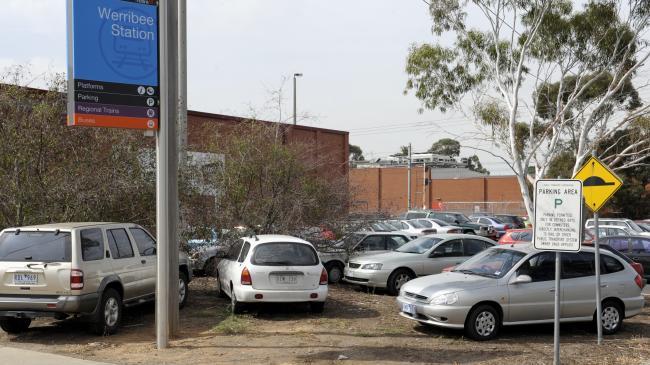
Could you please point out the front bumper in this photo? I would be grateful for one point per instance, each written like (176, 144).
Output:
(371, 278)
(246, 294)
(47, 305)
(449, 316)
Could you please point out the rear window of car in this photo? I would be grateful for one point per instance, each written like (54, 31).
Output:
(284, 254)
(27, 246)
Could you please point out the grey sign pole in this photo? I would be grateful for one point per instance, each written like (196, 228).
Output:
(556, 323)
(599, 309)
(166, 173)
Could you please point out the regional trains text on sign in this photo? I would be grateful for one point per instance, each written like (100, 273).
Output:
(113, 63)
(558, 215)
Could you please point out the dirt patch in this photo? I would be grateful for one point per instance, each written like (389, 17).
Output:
(356, 327)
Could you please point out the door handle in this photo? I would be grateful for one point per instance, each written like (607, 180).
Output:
(143, 261)
(603, 285)
(552, 290)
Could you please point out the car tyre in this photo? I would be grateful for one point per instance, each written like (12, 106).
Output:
(210, 267)
(235, 306)
(222, 293)
(109, 313)
(483, 323)
(612, 317)
(397, 279)
(183, 289)
(334, 272)
(15, 326)
(317, 307)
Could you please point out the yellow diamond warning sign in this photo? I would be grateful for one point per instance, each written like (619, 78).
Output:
(599, 183)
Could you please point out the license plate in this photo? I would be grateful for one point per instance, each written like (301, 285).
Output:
(286, 279)
(25, 279)
(408, 308)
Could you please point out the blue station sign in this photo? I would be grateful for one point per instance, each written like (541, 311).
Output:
(113, 63)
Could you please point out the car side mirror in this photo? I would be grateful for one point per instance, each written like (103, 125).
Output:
(436, 254)
(456, 221)
(521, 279)
(220, 255)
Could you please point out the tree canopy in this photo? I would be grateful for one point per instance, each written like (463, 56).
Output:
(446, 146)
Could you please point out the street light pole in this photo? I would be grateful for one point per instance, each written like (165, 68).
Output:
(295, 115)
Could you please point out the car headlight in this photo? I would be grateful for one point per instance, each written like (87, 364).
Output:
(371, 267)
(445, 299)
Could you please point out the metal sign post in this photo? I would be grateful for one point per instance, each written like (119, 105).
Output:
(558, 218)
(166, 177)
(600, 184)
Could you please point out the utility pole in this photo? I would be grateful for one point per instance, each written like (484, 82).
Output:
(166, 174)
(408, 205)
(295, 115)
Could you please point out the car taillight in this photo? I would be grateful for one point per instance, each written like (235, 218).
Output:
(639, 281)
(506, 227)
(246, 277)
(76, 279)
(323, 277)
(638, 268)
(448, 268)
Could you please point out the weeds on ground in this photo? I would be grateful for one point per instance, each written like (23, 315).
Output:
(230, 324)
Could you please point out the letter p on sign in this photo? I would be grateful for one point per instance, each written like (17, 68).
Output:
(558, 202)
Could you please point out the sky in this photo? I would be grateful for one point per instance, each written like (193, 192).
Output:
(243, 52)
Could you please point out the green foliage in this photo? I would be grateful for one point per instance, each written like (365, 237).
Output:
(269, 186)
(356, 154)
(446, 146)
(474, 164)
(54, 173)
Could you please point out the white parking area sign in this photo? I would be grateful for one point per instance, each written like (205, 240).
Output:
(558, 215)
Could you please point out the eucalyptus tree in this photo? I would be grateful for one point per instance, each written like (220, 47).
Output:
(540, 75)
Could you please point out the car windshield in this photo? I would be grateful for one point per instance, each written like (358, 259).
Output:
(635, 226)
(494, 263)
(284, 254)
(379, 227)
(350, 240)
(35, 246)
(415, 215)
(460, 218)
(419, 245)
(416, 224)
(496, 220)
(440, 222)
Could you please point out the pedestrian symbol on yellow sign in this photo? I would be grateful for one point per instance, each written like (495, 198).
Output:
(599, 183)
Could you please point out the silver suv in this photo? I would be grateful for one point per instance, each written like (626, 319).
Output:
(86, 269)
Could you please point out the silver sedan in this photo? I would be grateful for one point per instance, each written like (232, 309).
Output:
(423, 256)
(515, 285)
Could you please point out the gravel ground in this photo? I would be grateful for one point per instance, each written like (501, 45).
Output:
(356, 327)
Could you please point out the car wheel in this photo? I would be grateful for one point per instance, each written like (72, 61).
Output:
(334, 273)
(15, 325)
(397, 279)
(483, 323)
(612, 317)
(210, 267)
(183, 289)
(222, 293)
(109, 313)
(235, 306)
(317, 307)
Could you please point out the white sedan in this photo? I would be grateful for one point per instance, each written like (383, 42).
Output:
(272, 268)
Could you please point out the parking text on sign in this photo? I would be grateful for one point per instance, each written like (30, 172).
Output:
(558, 212)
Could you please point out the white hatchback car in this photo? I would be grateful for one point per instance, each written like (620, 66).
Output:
(272, 268)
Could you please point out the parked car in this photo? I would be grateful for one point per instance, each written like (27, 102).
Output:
(493, 222)
(272, 268)
(605, 231)
(637, 266)
(356, 244)
(511, 285)
(515, 221)
(411, 227)
(204, 253)
(517, 236)
(379, 227)
(439, 225)
(624, 223)
(460, 220)
(414, 214)
(423, 256)
(637, 248)
(92, 270)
